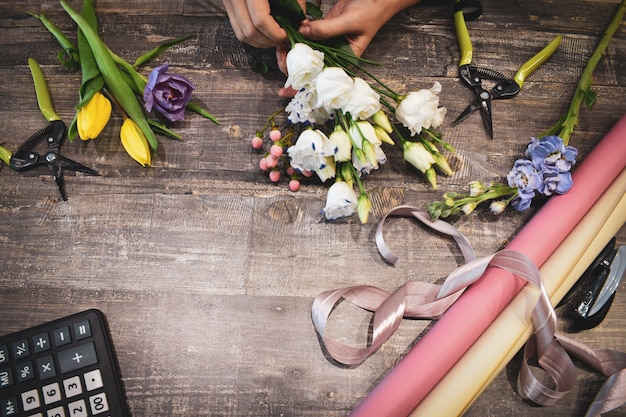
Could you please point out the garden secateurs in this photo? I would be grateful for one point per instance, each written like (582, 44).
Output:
(25, 158)
(472, 76)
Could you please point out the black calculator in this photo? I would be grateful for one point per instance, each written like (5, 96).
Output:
(64, 368)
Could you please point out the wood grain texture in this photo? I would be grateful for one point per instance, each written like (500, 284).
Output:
(206, 271)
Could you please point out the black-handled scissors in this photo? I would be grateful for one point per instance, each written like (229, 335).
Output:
(53, 135)
(473, 76)
(589, 300)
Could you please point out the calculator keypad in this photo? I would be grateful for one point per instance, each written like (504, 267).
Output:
(63, 369)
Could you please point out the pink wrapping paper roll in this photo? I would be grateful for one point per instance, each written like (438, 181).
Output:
(508, 333)
(455, 332)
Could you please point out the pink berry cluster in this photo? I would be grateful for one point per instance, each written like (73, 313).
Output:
(276, 162)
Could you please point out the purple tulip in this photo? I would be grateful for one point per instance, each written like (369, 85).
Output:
(167, 93)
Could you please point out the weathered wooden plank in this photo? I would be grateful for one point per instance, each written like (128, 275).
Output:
(206, 271)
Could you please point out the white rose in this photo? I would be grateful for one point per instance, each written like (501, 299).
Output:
(301, 108)
(420, 109)
(310, 151)
(303, 65)
(341, 201)
(334, 88)
(364, 102)
(342, 141)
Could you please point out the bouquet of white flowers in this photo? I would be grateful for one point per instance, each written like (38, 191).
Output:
(337, 123)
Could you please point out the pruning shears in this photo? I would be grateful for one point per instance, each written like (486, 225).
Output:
(53, 135)
(472, 76)
(589, 300)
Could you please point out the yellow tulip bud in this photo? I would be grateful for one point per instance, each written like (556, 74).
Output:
(93, 116)
(135, 142)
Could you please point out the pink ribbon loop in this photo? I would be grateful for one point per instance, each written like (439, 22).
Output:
(429, 301)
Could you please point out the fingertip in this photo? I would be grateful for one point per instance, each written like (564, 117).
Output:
(305, 29)
(286, 92)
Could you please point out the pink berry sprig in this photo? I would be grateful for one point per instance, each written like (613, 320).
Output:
(275, 161)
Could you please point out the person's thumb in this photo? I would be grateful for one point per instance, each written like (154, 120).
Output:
(325, 28)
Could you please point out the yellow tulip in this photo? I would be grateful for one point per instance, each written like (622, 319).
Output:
(93, 116)
(135, 142)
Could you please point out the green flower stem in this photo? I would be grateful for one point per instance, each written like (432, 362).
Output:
(491, 194)
(123, 94)
(565, 126)
(69, 49)
(136, 81)
(436, 138)
(335, 56)
(453, 203)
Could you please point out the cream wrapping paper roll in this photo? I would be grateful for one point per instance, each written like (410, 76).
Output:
(507, 334)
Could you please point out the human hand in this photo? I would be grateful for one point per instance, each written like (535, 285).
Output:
(357, 20)
(253, 24)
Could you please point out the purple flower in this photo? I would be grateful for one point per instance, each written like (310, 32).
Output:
(525, 177)
(167, 93)
(551, 151)
(520, 203)
(555, 181)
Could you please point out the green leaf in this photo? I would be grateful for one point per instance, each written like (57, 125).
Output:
(160, 49)
(288, 9)
(202, 112)
(68, 56)
(115, 82)
(162, 129)
(590, 97)
(92, 81)
(313, 11)
(260, 67)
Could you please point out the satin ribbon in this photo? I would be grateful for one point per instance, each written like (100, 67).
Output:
(429, 301)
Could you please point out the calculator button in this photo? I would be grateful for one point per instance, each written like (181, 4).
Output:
(56, 412)
(78, 409)
(77, 357)
(30, 400)
(72, 387)
(8, 406)
(41, 342)
(4, 354)
(25, 372)
(99, 404)
(93, 380)
(61, 336)
(37, 415)
(51, 393)
(82, 330)
(6, 378)
(46, 368)
(21, 349)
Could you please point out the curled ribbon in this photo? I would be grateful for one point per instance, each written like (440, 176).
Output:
(429, 301)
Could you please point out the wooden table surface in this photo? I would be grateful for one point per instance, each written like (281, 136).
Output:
(206, 271)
